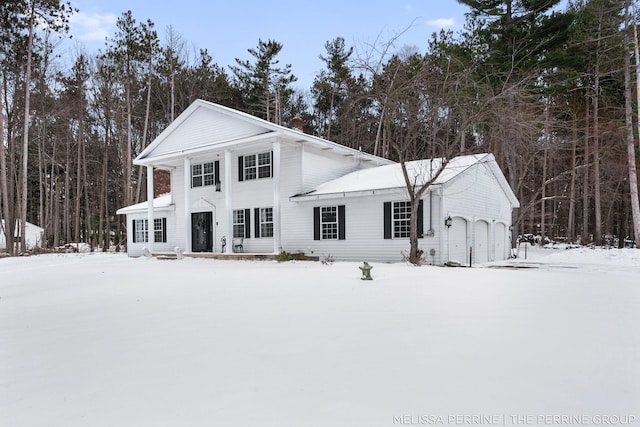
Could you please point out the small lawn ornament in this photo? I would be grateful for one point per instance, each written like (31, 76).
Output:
(366, 271)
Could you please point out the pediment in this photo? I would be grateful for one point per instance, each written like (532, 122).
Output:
(202, 205)
(203, 127)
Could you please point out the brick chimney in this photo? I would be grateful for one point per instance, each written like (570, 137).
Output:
(297, 123)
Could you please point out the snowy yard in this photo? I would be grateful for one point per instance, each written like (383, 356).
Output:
(105, 340)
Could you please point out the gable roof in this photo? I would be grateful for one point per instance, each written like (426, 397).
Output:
(205, 126)
(390, 177)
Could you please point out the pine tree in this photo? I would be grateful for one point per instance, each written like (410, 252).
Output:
(262, 84)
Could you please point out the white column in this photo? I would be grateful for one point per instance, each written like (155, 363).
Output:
(444, 230)
(150, 224)
(277, 244)
(228, 201)
(187, 205)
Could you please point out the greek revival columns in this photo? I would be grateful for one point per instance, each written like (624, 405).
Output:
(276, 198)
(228, 201)
(150, 222)
(187, 205)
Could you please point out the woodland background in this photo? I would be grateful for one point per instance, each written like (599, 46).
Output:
(552, 94)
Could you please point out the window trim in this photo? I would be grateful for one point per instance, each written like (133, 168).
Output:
(390, 219)
(340, 221)
(256, 168)
(260, 224)
(245, 224)
(141, 230)
(213, 176)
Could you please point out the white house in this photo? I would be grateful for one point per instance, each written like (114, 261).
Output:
(33, 235)
(238, 178)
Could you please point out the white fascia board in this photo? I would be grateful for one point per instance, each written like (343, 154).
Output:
(348, 194)
(176, 155)
(134, 210)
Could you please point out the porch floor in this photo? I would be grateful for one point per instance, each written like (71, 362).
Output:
(238, 256)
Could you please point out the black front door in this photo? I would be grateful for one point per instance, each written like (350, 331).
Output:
(202, 232)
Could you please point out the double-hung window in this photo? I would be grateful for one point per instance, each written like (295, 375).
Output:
(401, 219)
(264, 222)
(239, 221)
(141, 230)
(397, 220)
(329, 223)
(205, 174)
(255, 166)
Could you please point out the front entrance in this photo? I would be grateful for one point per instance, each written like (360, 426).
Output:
(202, 232)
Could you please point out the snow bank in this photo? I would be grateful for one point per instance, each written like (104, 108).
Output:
(106, 340)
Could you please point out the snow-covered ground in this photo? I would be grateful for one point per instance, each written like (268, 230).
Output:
(104, 340)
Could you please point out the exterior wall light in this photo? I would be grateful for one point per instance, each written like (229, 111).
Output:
(447, 221)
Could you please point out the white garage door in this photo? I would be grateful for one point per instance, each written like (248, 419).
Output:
(501, 241)
(458, 250)
(481, 242)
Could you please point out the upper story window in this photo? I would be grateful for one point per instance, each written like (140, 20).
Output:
(205, 174)
(255, 166)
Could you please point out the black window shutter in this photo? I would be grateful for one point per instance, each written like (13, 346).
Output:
(421, 219)
(256, 221)
(272, 164)
(387, 220)
(164, 230)
(341, 226)
(316, 223)
(133, 228)
(216, 169)
(247, 224)
(240, 168)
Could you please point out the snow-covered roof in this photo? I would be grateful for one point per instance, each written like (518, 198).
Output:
(206, 126)
(389, 177)
(160, 203)
(32, 227)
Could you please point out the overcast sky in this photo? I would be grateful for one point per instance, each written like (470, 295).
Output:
(228, 28)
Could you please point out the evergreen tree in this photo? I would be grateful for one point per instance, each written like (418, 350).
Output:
(331, 89)
(264, 87)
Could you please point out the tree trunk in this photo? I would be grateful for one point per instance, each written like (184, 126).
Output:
(6, 215)
(25, 136)
(543, 196)
(76, 222)
(144, 134)
(585, 179)
(631, 154)
(571, 220)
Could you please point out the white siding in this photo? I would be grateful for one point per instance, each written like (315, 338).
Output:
(476, 196)
(173, 239)
(206, 127)
(321, 166)
(364, 231)
(250, 194)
